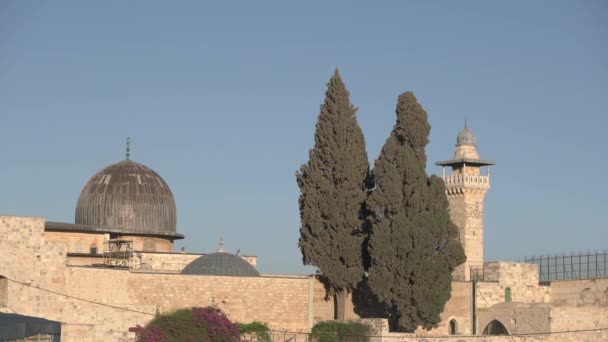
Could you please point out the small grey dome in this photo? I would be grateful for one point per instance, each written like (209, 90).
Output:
(466, 137)
(127, 195)
(221, 264)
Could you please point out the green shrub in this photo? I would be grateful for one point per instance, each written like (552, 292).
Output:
(254, 331)
(338, 331)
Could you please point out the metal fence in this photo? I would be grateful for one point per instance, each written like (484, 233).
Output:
(571, 266)
(287, 336)
(480, 274)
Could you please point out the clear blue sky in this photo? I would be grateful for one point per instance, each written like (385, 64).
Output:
(221, 99)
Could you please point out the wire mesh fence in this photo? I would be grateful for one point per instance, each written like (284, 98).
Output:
(571, 266)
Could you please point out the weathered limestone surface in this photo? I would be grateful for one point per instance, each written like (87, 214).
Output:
(559, 306)
(581, 303)
(520, 278)
(282, 302)
(78, 242)
(99, 304)
(465, 195)
(381, 334)
(149, 244)
(457, 308)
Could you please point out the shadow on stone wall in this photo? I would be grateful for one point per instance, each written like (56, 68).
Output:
(366, 304)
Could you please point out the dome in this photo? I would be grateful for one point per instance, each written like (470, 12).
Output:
(221, 264)
(130, 196)
(466, 137)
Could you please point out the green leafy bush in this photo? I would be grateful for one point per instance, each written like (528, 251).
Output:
(339, 331)
(254, 332)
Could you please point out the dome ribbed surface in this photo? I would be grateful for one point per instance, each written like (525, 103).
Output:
(466, 137)
(221, 264)
(127, 195)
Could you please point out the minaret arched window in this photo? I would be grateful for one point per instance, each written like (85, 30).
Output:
(508, 294)
(453, 327)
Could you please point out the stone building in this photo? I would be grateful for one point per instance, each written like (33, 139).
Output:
(115, 267)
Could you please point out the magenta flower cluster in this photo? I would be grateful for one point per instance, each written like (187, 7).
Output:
(210, 319)
(218, 325)
(152, 334)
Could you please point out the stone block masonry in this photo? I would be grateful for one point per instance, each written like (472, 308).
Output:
(100, 304)
(380, 333)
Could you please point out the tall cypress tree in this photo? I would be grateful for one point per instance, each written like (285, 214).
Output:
(333, 191)
(412, 245)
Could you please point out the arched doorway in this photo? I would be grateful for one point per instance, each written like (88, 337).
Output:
(495, 328)
(453, 327)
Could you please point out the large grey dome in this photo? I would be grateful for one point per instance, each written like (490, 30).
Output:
(221, 264)
(466, 137)
(127, 195)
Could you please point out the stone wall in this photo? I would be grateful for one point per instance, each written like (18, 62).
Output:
(580, 303)
(84, 260)
(153, 254)
(166, 262)
(520, 278)
(458, 308)
(281, 302)
(380, 333)
(79, 242)
(517, 318)
(35, 280)
(97, 304)
(149, 244)
(580, 292)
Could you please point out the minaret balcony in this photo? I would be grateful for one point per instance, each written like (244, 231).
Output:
(466, 180)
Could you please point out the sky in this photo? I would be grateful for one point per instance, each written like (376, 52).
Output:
(221, 99)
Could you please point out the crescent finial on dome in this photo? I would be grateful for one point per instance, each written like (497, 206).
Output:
(128, 147)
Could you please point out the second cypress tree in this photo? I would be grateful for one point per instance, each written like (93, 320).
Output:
(412, 246)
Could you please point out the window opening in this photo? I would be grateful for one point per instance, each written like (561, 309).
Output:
(453, 327)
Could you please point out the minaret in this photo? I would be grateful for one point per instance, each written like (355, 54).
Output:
(466, 189)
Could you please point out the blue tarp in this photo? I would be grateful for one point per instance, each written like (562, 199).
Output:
(14, 326)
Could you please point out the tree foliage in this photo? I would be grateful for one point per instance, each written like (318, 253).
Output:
(333, 185)
(334, 331)
(254, 332)
(412, 246)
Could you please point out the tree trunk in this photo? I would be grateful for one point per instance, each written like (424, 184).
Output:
(340, 305)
